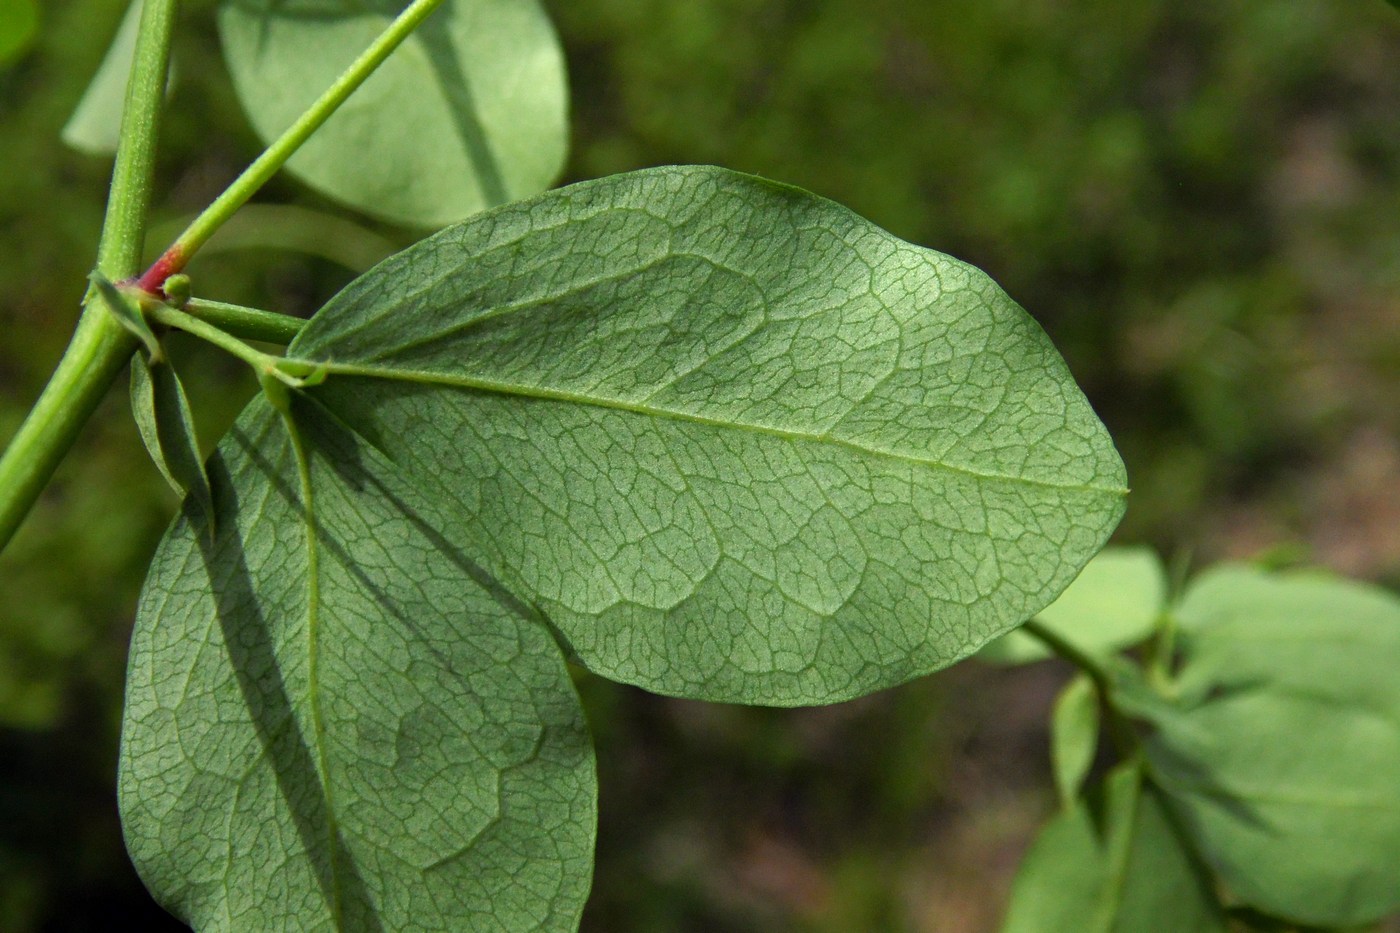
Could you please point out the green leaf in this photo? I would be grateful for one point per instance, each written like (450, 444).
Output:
(1113, 603)
(736, 442)
(352, 729)
(1074, 736)
(19, 23)
(167, 428)
(718, 436)
(1283, 760)
(1305, 630)
(128, 314)
(469, 113)
(95, 126)
(1114, 863)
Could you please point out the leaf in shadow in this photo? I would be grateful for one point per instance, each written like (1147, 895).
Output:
(166, 426)
(410, 753)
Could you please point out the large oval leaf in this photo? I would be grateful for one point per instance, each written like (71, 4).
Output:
(354, 729)
(470, 112)
(1284, 755)
(734, 441)
(725, 438)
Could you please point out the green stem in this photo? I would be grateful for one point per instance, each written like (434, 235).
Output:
(1066, 649)
(100, 346)
(276, 155)
(99, 349)
(1119, 729)
(129, 199)
(261, 362)
(1162, 652)
(246, 323)
(1123, 821)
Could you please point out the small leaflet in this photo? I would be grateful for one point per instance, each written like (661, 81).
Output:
(166, 425)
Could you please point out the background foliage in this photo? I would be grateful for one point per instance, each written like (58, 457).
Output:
(1201, 204)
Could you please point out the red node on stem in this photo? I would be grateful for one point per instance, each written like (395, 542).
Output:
(152, 281)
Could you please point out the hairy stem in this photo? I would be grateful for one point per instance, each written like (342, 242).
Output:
(129, 198)
(100, 346)
(276, 155)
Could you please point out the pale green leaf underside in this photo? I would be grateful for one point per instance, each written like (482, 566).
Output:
(1308, 630)
(1284, 760)
(734, 441)
(1074, 736)
(1112, 604)
(408, 754)
(95, 125)
(725, 438)
(166, 425)
(1118, 866)
(470, 112)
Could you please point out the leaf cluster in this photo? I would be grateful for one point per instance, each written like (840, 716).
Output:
(695, 431)
(690, 430)
(629, 419)
(1256, 778)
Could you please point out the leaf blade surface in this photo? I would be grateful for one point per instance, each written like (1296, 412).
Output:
(1074, 737)
(685, 467)
(470, 112)
(1283, 754)
(1111, 605)
(391, 747)
(1113, 865)
(716, 428)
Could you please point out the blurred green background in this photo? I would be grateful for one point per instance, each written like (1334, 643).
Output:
(1199, 202)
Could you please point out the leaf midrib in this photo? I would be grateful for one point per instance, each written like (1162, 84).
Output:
(428, 377)
(312, 623)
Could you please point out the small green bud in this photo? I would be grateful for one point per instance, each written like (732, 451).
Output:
(177, 290)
